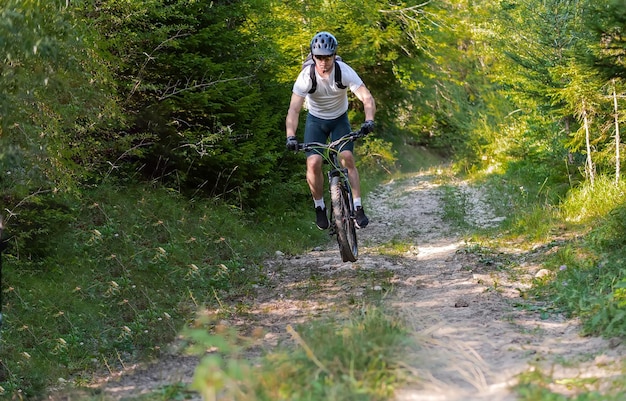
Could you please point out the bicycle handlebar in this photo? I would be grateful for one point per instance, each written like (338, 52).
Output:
(351, 137)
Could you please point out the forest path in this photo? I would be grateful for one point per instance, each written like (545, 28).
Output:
(475, 332)
(462, 301)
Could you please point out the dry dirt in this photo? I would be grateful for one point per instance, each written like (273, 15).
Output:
(459, 299)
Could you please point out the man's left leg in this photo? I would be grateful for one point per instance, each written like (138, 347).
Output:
(347, 161)
(341, 128)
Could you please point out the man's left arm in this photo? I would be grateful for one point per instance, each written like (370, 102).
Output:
(369, 105)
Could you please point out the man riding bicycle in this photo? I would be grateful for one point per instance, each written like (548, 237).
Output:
(327, 117)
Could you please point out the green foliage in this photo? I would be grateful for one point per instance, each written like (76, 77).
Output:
(608, 26)
(534, 385)
(224, 371)
(34, 222)
(376, 153)
(455, 207)
(55, 99)
(452, 100)
(98, 95)
(590, 273)
(191, 77)
(54, 96)
(415, 60)
(553, 74)
(587, 202)
(358, 359)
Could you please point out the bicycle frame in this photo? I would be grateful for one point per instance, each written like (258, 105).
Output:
(342, 202)
(331, 153)
(332, 150)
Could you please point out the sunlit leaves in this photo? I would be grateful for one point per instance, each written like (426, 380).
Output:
(53, 94)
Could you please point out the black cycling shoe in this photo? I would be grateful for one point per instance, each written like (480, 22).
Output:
(321, 218)
(361, 219)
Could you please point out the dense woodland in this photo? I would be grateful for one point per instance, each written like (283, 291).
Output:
(192, 94)
(189, 97)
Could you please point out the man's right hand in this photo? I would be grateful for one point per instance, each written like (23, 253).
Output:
(292, 143)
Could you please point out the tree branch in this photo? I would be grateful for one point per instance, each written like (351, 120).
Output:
(174, 89)
(150, 57)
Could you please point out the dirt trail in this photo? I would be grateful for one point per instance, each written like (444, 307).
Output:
(458, 299)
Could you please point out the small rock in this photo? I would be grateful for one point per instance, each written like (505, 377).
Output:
(615, 342)
(461, 303)
(542, 273)
(279, 254)
(377, 288)
(602, 360)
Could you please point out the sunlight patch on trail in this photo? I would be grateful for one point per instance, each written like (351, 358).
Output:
(436, 251)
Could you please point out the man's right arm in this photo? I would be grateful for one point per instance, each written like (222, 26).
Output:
(291, 122)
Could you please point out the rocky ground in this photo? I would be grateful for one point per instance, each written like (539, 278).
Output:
(461, 300)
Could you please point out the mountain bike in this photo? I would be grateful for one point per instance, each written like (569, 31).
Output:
(342, 210)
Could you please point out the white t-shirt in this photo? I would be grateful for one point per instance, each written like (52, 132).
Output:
(328, 101)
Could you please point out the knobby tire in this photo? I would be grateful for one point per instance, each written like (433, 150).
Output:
(345, 227)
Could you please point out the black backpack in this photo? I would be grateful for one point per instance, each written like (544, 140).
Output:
(308, 62)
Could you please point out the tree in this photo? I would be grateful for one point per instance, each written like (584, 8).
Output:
(535, 43)
(608, 25)
(617, 134)
(55, 110)
(607, 57)
(54, 95)
(190, 76)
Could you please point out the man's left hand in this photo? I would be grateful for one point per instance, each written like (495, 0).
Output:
(367, 127)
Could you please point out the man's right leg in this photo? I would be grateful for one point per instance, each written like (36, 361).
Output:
(315, 130)
(315, 179)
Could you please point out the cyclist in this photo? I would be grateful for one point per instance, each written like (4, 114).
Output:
(327, 117)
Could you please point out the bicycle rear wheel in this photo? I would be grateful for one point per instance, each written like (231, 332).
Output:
(345, 227)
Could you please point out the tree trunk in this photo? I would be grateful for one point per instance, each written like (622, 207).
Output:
(570, 155)
(617, 138)
(589, 166)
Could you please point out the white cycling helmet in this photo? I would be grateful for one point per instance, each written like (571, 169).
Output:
(323, 44)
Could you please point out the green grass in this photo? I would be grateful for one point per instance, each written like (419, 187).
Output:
(454, 207)
(590, 269)
(330, 359)
(588, 202)
(395, 248)
(534, 385)
(122, 269)
(110, 276)
(127, 273)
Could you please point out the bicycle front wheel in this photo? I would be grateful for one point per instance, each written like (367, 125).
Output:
(346, 229)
